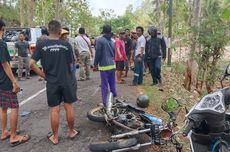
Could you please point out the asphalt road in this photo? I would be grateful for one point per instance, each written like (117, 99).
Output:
(37, 123)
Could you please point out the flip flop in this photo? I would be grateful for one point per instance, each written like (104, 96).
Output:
(76, 134)
(50, 134)
(23, 139)
(5, 138)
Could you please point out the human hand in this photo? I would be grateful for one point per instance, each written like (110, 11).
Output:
(95, 68)
(16, 87)
(120, 56)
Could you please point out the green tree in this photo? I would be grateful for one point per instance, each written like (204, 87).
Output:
(213, 39)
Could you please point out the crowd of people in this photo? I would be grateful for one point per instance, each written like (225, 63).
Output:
(60, 54)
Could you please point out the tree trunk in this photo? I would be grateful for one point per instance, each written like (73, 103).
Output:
(30, 12)
(191, 63)
(57, 10)
(22, 13)
(158, 11)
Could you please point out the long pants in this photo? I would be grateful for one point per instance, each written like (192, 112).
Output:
(155, 69)
(85, 62)
(23, 61)
(108, 79)
(138, 71)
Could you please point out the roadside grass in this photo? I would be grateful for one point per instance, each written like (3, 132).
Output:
(173, 78)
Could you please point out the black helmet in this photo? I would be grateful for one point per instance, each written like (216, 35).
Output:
(143, 101)
(152, 30)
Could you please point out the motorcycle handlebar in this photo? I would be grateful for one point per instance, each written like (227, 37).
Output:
(188, 127)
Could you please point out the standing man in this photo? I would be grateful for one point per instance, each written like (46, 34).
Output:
(155, 52)
(22, 47)
(128, 47)
(120, 56)
(8, 95)
(85, 53)
(57, 58)
(105, 53)
(139, 57)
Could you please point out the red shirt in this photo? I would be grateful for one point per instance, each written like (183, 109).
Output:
(120, 44)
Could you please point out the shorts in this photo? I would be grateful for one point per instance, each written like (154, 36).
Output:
(56, 94)
(8, 99)
(120, 65)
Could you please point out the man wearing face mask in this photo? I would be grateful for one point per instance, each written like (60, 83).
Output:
(155, 52)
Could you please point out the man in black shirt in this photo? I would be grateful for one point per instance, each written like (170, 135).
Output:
(128, 47)
(56, 59)
(22, 47)
(8, 95)
(155, 52)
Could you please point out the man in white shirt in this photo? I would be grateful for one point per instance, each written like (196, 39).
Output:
(139, 57)
(83, 45)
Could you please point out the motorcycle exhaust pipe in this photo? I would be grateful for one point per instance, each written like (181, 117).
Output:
(109, 103)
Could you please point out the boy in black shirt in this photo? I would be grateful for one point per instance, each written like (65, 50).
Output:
(56, 58)
(8, 95)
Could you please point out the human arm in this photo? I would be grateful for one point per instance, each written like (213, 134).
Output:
(33, 62)
(143, 45)
(36, 69)
(118, 46)
(163, 47)
(15, 50)
(6, 67)
(9, 73)
(98, 53)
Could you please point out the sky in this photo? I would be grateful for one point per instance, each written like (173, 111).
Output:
(119, 6)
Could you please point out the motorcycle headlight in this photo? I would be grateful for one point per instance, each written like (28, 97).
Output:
(212, 102)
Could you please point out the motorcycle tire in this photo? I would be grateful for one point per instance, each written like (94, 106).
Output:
(109, 146)
(94, 117)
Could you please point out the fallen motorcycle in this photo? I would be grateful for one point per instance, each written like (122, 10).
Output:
(208, 123)
(131, 121)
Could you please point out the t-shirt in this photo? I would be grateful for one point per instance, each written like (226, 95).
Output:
(81, 43)
(23, 48)
(5, 83)
(140, 43)
(128, 46)
(120, 44)
(56, 58)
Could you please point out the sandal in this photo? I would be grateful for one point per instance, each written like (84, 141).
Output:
(22, 140)
(50, 134)
(77, 133)
(5, 138)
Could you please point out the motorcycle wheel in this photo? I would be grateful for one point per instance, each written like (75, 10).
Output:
(109, 146)
(96, 114)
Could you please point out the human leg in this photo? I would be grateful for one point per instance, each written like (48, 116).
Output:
(26, 60)
(54, 115)
(158, 69)
(3, 117)
(104, 86)
(82, 66)
(112, 82)
(20, 67)
(141, 67)
(87, 65)
(136, 71)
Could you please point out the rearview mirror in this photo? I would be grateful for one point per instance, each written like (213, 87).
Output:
(227, 72)
(170, 105)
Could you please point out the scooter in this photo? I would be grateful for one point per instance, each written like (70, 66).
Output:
(208, 123)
